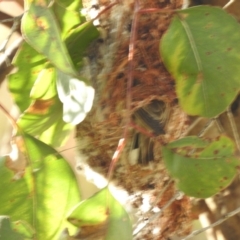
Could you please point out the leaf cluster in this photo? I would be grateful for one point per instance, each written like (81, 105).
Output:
(199, 50)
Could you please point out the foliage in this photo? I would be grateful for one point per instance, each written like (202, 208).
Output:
(45, 51)
(103, 213)
(43, 194)
(14, 230)
(201, 171)
(199, 53)
(51, 95)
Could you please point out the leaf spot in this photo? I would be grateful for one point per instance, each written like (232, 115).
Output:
(208, 26)
(40, 106)
(216, 152)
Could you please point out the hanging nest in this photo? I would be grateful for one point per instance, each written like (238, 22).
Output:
(146, 181)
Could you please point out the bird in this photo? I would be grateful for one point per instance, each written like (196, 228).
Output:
(152, 117)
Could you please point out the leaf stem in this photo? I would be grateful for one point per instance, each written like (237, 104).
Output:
(10, 118)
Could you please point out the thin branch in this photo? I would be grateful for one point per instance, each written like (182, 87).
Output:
(14, 27)
(10, 118)
(7, 20)
(115, 158)
(104, 10)
(228, 4)
(234, 128)
(224, 218)
(130, 63)
(205, 128)
(7, 57)
(122, 141)
(219, 125)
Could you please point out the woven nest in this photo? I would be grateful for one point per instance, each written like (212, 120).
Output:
(99, 133)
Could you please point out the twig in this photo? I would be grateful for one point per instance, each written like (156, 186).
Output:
(104, 10)
(234, 128)
(122, 141)
(219, 125)
(224, 218)
(8, 55)
(228, 4)
(7, 19)
(10, 118)
(130, 62)
(205, 128)
(14, 27)
(115, 157)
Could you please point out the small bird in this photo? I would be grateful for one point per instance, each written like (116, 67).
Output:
(152, 117)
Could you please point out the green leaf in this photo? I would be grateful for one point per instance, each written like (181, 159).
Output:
(43, 195)
(205, 173)
(45, 85)
(14, 197)
(29, 64)
(104, 214)
(79, 39)
(41, 31)
(190, 141)
(6, 230)
(201, 50)
(23, 228)
(76, 96)
(67, 13)
(44, 118)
